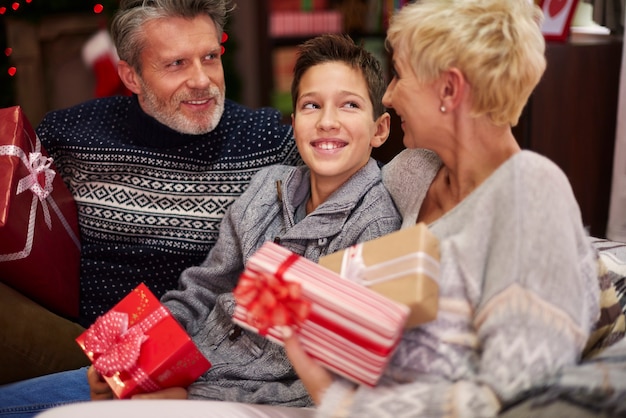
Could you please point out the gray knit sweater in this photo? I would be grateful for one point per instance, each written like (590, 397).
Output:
(247, 367)
(518, 294)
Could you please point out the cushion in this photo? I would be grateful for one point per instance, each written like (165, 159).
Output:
(611, 326)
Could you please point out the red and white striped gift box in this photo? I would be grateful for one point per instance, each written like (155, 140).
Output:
(349, 328)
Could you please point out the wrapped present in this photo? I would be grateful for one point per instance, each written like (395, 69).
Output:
(139, 347)
(403, 266)
(39, 245)
(348, 328)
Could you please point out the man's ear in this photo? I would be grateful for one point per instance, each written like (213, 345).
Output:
(129, 76)
(383, 127)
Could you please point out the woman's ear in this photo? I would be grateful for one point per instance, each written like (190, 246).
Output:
(452, 88)
(129, 77)
(383, 127)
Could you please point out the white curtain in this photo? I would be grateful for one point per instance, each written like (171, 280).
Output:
(616, 229)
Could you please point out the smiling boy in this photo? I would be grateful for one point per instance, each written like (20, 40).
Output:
(335, 201)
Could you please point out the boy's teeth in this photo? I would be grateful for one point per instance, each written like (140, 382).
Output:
(328, 145)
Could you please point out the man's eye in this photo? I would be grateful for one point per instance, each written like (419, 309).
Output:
(176, 63)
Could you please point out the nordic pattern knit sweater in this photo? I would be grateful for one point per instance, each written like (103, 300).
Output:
(150, 199)
(518, 294)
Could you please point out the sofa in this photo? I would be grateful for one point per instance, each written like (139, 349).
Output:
(595, 388)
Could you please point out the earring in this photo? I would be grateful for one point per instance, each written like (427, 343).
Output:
(443, 109)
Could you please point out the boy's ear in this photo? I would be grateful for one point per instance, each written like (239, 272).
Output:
(383, 127)
(128, 76)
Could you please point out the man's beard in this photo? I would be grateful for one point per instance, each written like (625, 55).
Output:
(168, 114)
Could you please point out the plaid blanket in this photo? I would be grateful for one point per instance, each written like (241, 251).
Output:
(597, 385)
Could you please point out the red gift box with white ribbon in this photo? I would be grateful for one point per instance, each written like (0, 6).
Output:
(138, 347)
(39, 244)
(347, 327)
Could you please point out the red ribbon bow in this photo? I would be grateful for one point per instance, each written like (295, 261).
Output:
(270, 300)
(115, 346)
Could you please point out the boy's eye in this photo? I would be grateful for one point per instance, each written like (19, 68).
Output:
(352, 105)
(310, 105)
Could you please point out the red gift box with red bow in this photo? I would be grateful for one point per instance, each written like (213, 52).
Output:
(138, 347)
(347, 327)
(39, 245)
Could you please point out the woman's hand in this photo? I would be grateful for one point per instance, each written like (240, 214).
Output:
(316, 379)
(98, 388)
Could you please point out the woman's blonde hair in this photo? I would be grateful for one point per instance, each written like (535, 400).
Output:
(496, 44)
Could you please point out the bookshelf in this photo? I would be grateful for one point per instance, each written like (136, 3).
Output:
(288, 23)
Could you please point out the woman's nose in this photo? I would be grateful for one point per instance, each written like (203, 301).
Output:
(387, 96)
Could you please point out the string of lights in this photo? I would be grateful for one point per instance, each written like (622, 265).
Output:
(37, 9)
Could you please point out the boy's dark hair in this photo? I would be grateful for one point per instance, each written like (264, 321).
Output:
(340, 48)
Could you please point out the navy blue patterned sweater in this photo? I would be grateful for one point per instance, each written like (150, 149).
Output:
(150, 199)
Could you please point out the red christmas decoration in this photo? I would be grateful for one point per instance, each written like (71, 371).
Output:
(100, 55)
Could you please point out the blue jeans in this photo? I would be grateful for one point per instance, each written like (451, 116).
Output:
(27, 398)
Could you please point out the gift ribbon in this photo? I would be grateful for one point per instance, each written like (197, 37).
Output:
(314, 316)
(270, 300)
(353, 266)
(38, 168)
(116, 348)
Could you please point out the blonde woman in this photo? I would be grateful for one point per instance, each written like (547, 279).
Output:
(519, 291)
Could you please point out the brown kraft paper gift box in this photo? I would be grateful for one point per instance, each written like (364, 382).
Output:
(403, 266)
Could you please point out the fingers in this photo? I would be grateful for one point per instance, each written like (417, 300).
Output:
(315, 378)
(170, 393)
(98, 388)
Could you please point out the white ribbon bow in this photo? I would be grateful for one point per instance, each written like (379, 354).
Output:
(353, 266)
(39, 168)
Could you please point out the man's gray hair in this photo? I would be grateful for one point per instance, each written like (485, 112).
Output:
(129, 20)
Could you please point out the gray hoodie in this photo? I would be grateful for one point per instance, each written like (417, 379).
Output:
(245, 366)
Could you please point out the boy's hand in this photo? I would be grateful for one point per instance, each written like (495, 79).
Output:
(98, 388)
